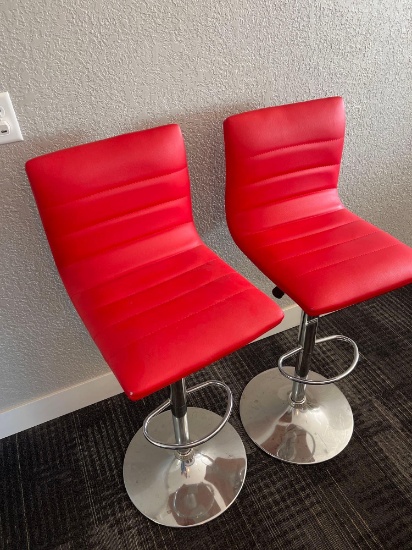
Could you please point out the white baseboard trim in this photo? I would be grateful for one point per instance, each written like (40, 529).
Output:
(291, 319)
(57, 404)
(81, 395)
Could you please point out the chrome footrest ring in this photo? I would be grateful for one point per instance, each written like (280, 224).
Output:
(197, 442)
(329, 380)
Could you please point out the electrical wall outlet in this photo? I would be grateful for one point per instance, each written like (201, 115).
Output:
(9, 127)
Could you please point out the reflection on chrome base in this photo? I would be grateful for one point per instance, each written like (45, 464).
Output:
(313, 431)
(180, 493)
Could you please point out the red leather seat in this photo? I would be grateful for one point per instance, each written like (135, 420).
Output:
(158, 303)
(285, 214)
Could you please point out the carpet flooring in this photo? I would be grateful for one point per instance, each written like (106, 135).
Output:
(62, 486)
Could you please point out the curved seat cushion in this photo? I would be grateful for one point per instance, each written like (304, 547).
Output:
(284, 211)
(158, 303)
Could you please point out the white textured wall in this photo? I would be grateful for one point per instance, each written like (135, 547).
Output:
(81, 70)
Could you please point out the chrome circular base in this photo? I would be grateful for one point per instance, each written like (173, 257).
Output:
(183, 494)
(311, 432)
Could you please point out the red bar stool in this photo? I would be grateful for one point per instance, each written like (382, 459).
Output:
(284, 212)
(159, 305)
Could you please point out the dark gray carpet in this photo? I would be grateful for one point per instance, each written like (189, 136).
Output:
(62, 488)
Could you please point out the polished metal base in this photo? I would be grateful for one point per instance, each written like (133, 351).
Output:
(183, 494)
(311, 432)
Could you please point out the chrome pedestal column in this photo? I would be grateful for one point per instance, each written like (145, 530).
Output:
(179, 478)
(303, 422)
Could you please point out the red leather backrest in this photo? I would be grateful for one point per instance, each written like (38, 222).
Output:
(120, 201)
(280, 153)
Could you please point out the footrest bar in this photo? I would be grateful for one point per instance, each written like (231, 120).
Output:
(329, 380)
(191, 444)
